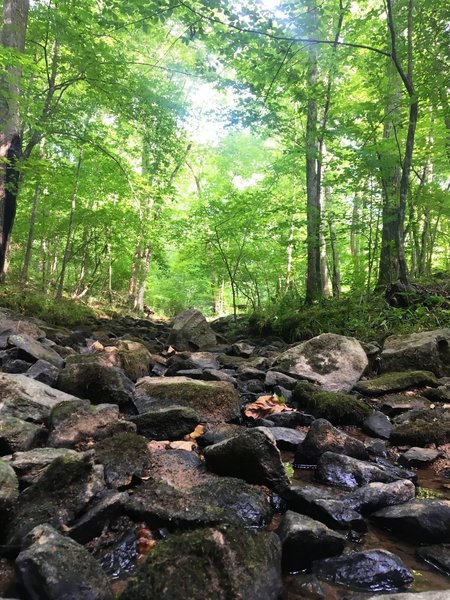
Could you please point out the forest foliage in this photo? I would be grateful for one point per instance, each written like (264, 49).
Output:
(232, 156)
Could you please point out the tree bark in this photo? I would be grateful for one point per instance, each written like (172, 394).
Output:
(15, 18)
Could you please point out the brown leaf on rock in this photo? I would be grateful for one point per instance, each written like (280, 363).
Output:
(264, 406)
(198, 431)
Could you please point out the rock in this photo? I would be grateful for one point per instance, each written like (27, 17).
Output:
(15, 366)
(334, 361)
(27, 399)
(376, 570)
(325, 505)
(17, 435)
(378, 424)
(252, 456)
(347, 472)
(135, 359)
(220, 500)
(217, 375)
(180, 468)
(191, 331)
(223, 563)
(339, 408)
(274, 378)
(434, 595)
(31, 465)
(287, 439)
(429, 426)
(291, 419)
(219, 433)
(375, 496)
(108, 508)
(426, 350)
(171, 423)
(396, 382)
(11, 326)
(9, 486)
(250, 373)
(190, 361)
(97, 382)
(323, 437)
(86, 424)
(53, 566)
(418, 457)
(395, 405)
(423, 521)
(66, 487)
(213, 401)
(242, 349)
(123, 457)
(436, 556)
(439, 394)
(44, 372)
(304, 540)
(304, 586)
(29, 348)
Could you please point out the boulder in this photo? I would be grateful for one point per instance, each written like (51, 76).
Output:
(9, 486)
(437, 556)
(86, 424)
(304, 540)
(213, 401)
(323, 437)
(423, 521)
(97, 382)
(252, 456)
(396, 382)
(243, 349)
(28, 399)
(375, 496)
(397, 404)
(31, 350)
(418, 457)
(44, 371)
(171, 423)
(333, 361)
(219, 433)
(347, 472)
(422, 427)
(123, 456)
(378, 425)
(217, 563)
(428, 350)
(16, 326)
(17, 435)
(433, 595)
(134, 358)
(372, 570)
(191, 331)
(31, 465)
(53, 567)
(337, 407)
(286, 438)
(274, 378)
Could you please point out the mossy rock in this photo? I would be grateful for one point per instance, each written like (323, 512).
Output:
(9, 486)
(224, 563)
(427, 427)
(171, 423)
(396, 382)
(123, 456)
(336, 407)
(64, 410)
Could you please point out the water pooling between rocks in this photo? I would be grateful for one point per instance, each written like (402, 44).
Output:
(118, 480)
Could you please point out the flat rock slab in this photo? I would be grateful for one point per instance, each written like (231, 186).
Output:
(373, 570)
(428, 350)
(396, 382)
(213, 563)
(31, 465)
(333, 361)
(426, 521)
(213, 401)
(171, 423)
(418, 457)
(31, 348)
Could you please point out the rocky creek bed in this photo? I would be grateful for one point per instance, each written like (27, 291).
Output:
(141, 459)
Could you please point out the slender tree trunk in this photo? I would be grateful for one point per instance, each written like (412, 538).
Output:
(15, 18)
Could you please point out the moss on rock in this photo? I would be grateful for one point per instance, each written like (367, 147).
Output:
(122, 456)
(396, 382)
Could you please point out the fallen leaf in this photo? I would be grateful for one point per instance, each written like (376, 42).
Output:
(265, 405)
(198, 431)
(182, 446)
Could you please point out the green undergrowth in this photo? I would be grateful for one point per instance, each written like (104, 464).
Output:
(367, 319)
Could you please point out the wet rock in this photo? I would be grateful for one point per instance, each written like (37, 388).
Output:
(323, 437)
(52, 566)
(304, 540)
(171, 423)
(44, 372)
(27, 399)
(107, 509)
(123, 457)
(436, 556)
(17, 435)
(97, 382)
(252, 456)
(424, 427)
(347, 472)
(334, 361)
(219, 433)
(31, 465)
(9, 486)
(304, 586)
(86, 424)
(191, 331)
(66, 487)
(274, 378)
(418, 457)
(426, 521)
(376, 448)
(227, 562)
(287, 439)
(396, 382)
(31, 350)
(378, 424)
(373, 570)
(213, 401)
(375, 496)
(224, 500)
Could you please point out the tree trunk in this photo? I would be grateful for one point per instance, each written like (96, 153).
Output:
(15, 17)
